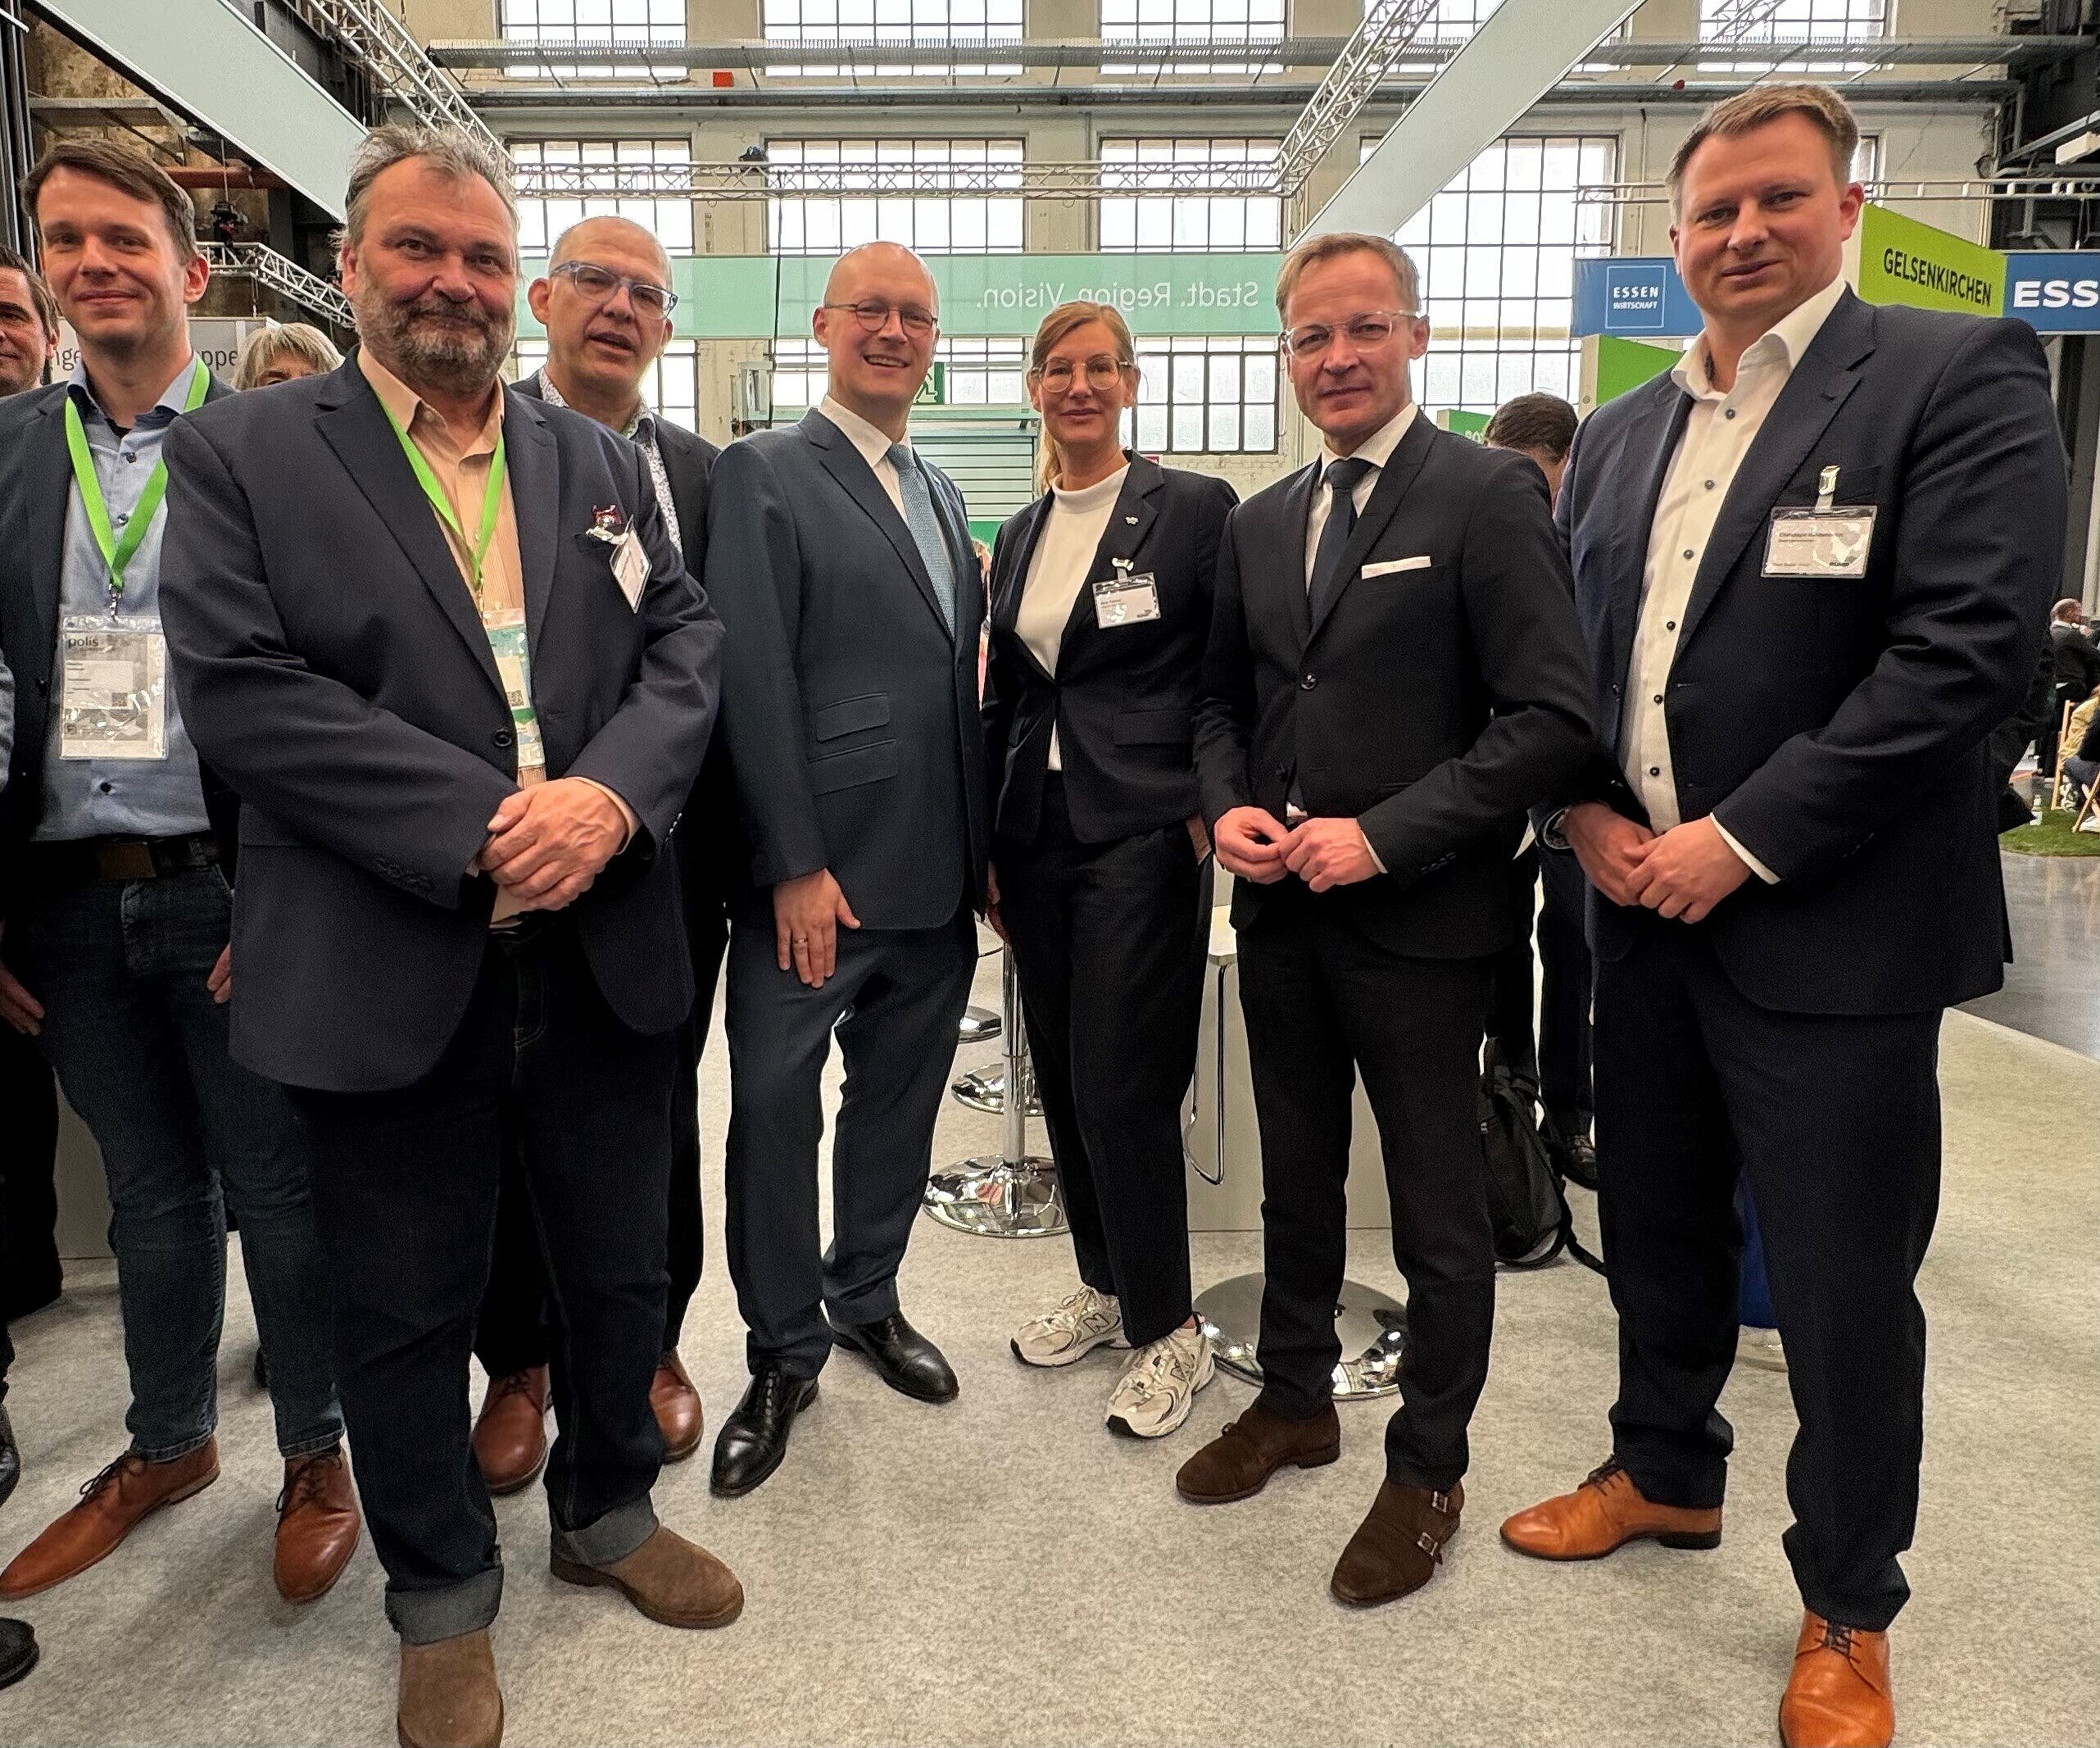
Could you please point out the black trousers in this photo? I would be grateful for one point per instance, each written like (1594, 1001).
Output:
(1556, 1058)
(1109, 942)
(1836, 1120)
(30, 1272)
(1323, 1002)
(405, 1188)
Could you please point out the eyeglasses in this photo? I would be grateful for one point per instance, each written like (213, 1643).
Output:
(1103, 373)
(1367, 332)
(874, 315)
(599, 285)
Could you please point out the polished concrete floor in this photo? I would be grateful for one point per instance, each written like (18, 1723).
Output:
(2052, 986)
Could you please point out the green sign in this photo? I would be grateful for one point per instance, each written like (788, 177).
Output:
(758, 297)
(1465, 423)
(1905, 260)
(1625, 364)
(933, 392)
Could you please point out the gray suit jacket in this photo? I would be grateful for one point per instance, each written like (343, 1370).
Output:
(334, 670)
(850, 711)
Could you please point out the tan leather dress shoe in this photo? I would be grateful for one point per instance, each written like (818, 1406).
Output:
(449, 1698)
(1397, 1548)
(1237, 1463)
(509, 1436)
(1604, 1514)
(671, 1580)
(1838, 1695)
(110, 1506)
(676, 1406)
(317, 1525)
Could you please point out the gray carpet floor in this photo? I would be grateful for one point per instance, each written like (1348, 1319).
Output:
(1001, 1570)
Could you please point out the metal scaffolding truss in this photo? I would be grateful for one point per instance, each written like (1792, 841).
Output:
(381, 46)
(265, 266)
(1033, 181)
(1349, 84)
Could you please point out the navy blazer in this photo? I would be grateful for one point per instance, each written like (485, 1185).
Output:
(334, 670)
(1837, 726)
(1123, 701)
(850, 708)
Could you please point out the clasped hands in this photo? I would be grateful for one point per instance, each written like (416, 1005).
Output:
(1682, 873)
(1253, 843)
(547, 843)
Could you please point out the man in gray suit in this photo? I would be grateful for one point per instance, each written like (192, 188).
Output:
(841, 564)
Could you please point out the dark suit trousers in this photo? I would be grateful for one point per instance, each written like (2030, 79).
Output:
(405, 1187)
(895, 1001)
(1323, 1002)
(29, 1272)
(1836, 1120)
(1110, 941)
(1554, 1057)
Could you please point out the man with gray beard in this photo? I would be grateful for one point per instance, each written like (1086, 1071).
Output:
(435, 637)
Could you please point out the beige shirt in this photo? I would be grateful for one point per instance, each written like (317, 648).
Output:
(1718, 433)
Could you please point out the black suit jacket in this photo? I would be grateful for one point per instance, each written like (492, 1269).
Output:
(1435, 704)
(1123, 701)
(2076, 660)
(36, 487)
(1837, 727)
(333, 666)
(850, 708)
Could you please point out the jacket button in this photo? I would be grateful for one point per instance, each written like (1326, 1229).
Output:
(1309, 681)
(502, 737)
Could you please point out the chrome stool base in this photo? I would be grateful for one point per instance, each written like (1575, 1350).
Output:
(980, 1026)
(1373, 1327)
(997, 1198)
(985, 1089)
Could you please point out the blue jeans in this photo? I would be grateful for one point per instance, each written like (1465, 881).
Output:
(140, 1049)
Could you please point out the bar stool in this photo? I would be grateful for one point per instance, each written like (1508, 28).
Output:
(980, 1026)
(1012, 1194)
(1372, 1326)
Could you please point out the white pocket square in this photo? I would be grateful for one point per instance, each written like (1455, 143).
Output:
(1386, 567)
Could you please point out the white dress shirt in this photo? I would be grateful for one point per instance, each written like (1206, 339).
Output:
(1070, 534)
(1718, 433)
(873, 443)
(641, 431)
(1377, 449)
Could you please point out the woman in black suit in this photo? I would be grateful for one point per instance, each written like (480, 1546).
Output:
(1100, 598)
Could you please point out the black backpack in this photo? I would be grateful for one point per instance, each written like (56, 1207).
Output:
(1527, 1203)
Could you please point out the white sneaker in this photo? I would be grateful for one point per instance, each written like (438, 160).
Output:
(1157, 1387)
(1761, 1348)
(1070, 1330)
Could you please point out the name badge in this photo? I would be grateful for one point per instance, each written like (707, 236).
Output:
(1125, 600)
(631, 569)
(113, 698)
(1821, 542)
(514, 666)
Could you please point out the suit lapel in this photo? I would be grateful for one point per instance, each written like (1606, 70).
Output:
(1393, 479)
(1290, 563)
(846, 464)
(50, 496)
(1006, 610)
(1130, 521)
(535, 466)
(1649, 445)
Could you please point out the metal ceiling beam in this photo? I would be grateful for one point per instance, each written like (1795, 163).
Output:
(1388, 26)
(379, 45)
(253, 261)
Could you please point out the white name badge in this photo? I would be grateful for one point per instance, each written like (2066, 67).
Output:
(1820, 543)
(513, 667)
(1125, 600)
(631, 569)
(113, 698)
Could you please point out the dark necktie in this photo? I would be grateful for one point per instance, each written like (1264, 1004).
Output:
(1343, 478)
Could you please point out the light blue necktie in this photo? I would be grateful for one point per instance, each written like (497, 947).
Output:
(925, 529)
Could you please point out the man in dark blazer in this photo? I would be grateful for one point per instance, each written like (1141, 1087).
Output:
(435, 637)
(841, 564)
(1394, 677)
(605, 304)
(1813, 563)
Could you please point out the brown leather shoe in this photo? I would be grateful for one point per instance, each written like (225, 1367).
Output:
(1397, 1548)
(110, 1506)
(1839, 1695)
(671, 1580)
(1604, 1514)
(1237, 1463)
(677, 1403)
(317, 1524)
(449, 1698)
(510, 1437)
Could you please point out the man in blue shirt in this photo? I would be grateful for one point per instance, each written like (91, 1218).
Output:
(116, 894)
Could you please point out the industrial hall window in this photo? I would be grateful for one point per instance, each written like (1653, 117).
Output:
(1497, 250)
(1166, 221)
(1205, 395)
(672, 386)
(662, 167)
(643, 23)
(1222, 23)
(1749, 22)
(935, 22)
(973, 372)
(932, 195)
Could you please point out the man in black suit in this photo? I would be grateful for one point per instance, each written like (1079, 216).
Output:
(2075, 662)
(1394, 677)
(605, 304)
(851, 600)
(1812, 565)
(436, 639)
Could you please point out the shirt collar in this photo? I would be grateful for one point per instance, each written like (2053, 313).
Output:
(1377, 449)
(1784, 344)
(873, 443)
(641, 428)
(404, 403)
(169, 403)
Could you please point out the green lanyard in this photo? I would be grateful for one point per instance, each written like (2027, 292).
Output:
(491, 499)
(117, 554)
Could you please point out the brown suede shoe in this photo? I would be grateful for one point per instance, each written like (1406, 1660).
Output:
(317, 1524)
(510, 1437)
(449, 1698)
(1397, 1548)
(1604, 1514)
(110, 1506)
(1839, 1695)
(669, 1579)
(1237, 1463)
(677, 1403)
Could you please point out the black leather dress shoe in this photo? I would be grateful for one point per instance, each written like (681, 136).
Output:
(11, 1458)
(907, 1361)
(18, 1650)
(754, 1439)
(1573, 1153)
